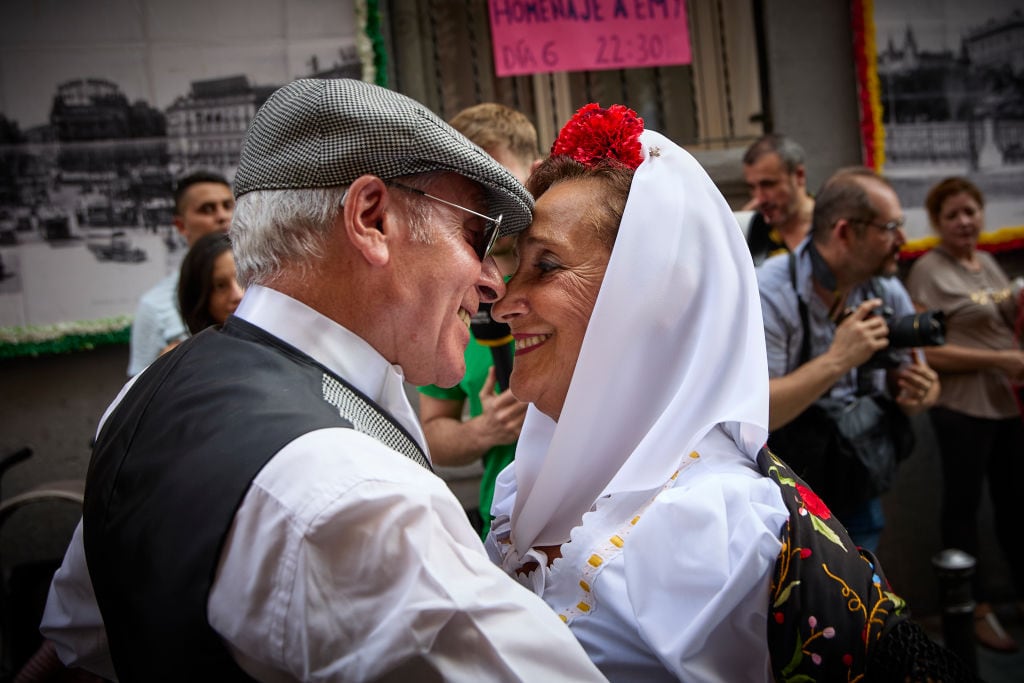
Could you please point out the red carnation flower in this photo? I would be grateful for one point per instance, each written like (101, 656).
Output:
(594, 134)
(816, 506)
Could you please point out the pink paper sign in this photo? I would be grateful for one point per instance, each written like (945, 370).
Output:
(539, 36)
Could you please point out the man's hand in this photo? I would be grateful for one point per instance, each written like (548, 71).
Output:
(457, 443)
(503, 414)
(919, 387)
(857, 338)
(859, 335)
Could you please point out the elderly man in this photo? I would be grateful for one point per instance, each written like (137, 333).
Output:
(773, 168)
(819, 305)
(259, 501)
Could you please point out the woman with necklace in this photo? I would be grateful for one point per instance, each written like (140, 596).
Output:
(976, 420)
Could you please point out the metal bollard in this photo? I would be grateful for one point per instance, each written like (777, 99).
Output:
(954, 569)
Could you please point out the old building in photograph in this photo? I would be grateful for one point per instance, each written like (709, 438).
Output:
(205, 127)
(998, 43)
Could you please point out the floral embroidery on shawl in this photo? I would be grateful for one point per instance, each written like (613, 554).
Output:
(830, 601)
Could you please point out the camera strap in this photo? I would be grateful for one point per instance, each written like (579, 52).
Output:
(874, 292)
(805, 344)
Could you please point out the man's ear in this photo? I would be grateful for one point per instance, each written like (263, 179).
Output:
(363, 219)
(843, 232)
(179, 224)
(801, 176)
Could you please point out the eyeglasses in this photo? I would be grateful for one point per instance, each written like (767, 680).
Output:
(890, 227)
(484, 240)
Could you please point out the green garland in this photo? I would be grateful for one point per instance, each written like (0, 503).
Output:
(38, 340)
(370, 43)
(380, 57)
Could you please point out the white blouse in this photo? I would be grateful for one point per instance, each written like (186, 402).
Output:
(667, 584)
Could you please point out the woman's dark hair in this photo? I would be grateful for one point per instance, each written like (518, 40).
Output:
(946, 189)
(195, 283)
(616, 178)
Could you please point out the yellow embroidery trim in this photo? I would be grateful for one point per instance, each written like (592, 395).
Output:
(853, 602)
(610, 548)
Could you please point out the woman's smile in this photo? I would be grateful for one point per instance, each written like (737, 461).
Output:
(529, 342)
(548, 302)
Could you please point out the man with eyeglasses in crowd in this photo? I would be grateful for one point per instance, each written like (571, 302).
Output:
(844, 273)
(260, 502)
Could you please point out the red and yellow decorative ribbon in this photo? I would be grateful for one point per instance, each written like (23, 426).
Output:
(868, 89)
(1004, 239)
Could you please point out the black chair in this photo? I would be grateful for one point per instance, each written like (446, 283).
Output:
(23, 587)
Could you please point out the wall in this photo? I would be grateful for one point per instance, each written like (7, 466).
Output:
(812, 92)
(812, 82)
(51, 403)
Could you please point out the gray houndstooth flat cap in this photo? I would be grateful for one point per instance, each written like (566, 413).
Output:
(328, 132)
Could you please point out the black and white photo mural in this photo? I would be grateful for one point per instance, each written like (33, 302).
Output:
(951, 93)
(103, 104)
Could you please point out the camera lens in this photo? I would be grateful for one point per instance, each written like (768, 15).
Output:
(919, 329)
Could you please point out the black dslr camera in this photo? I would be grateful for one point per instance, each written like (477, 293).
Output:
(917, 329)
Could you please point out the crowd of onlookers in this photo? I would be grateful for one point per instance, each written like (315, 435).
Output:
(975, 406)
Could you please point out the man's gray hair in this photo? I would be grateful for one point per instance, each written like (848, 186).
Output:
(272, 229)
(790, 153)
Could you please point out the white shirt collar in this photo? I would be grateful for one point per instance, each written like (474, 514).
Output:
(335, 347)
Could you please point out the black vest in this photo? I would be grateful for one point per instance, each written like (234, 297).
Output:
(169, 469)
(762, 240)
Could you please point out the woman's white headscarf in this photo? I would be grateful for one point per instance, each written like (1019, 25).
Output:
(675, 346)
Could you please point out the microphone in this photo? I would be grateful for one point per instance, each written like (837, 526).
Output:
(498, 337)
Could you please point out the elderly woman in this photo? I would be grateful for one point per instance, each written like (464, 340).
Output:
(977, 412)
(638, 504)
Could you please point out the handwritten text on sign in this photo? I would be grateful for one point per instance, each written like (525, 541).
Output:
(537, 36)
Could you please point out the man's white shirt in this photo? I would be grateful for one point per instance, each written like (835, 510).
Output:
(346, 560)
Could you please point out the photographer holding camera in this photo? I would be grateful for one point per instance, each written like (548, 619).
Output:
(840, 389)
